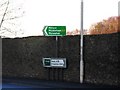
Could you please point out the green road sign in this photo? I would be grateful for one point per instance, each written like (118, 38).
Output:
(54, 31)
(47, 62)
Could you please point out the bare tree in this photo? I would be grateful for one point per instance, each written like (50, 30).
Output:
(10, 14)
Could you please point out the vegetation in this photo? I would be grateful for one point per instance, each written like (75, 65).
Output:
(10, 14)
(111, 25)
(106, 26)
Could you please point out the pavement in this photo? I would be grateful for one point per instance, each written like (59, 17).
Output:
(14, 83)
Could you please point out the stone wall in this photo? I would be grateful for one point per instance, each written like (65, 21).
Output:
(22, 58)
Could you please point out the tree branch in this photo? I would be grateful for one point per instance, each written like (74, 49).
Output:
(7, 29)
(4, 14)
(3, 4)
(12, 18)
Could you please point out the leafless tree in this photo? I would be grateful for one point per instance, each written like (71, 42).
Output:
(10, 15)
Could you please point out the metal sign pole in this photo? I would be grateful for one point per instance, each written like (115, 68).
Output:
(56, 54)
(56, 46)
(81, 46)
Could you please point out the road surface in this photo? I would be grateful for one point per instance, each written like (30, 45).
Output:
(12, 83)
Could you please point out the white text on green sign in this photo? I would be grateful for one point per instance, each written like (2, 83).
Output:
(54, 31)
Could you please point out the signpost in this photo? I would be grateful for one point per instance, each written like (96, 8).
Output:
(54, 31)
(54, 62)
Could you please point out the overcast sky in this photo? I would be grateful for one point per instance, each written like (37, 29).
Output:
(64, 12)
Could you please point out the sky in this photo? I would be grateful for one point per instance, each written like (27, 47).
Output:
(39, 13)
(97, 10)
